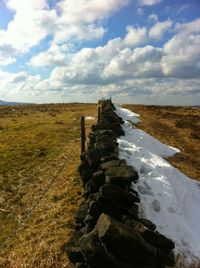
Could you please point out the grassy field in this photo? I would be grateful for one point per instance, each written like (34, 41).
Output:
(39, 186)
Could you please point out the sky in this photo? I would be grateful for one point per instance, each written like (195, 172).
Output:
(135, 51)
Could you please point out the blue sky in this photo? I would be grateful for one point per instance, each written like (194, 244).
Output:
(136, 51)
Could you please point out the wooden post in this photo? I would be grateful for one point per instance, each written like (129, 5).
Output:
(82, 135)
(99, 114)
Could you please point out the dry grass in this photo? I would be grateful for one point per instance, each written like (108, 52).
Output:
(178, 127)
(39, 186)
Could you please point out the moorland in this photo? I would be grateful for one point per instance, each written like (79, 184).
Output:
(40, 189)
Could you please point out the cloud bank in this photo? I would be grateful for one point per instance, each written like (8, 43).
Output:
(124, 66)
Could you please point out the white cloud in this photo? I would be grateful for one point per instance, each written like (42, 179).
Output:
(78, 20)
(149, 2)
(139, 62)
(135, 36)
(18, 86)
(55, 55)
(32, 22)
(182, 51)
(125, 66)
(104, 65)
(159, 29)
(26, 5)
(78, 32)
(153, 18)
(88, 11)
(118, 61)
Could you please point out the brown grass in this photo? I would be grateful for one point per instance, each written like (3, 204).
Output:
(178, 127)
(39, 186)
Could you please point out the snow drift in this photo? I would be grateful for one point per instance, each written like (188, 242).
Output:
(168, 198)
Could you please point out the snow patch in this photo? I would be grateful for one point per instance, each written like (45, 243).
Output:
(168, 198)
(89, 118)
(127, 115)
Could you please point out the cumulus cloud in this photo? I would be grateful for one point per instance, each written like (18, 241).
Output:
(128, 70)
(34, 20)
(55, 55)
(124, 66)
(182, 53)
(80, 19)
(88, 11)
(159, 29)
(139, 62)
(135, 36)
(118, 61)
(108, 64)
(31, 23)
(20, 85)
(148, 2)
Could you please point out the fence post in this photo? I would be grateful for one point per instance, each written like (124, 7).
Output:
(82, 135)
(99, 114)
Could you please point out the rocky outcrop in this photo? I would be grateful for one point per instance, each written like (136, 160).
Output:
(109, 232)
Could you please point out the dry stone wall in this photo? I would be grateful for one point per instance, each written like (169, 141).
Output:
(109, 232)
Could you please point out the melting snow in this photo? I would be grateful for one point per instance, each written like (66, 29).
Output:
(168, 198)
(89, 118)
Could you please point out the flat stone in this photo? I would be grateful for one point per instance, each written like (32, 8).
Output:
(124, 241)
(108, 158)
(111, 208)
(111, 164)
(118, 194)
(110, 146)
(72, 248)
(81, 212)
(93, 252)
(158, 240)
(121, 176)
(149, 224)
(100, 137)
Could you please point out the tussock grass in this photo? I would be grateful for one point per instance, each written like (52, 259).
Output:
(40, 189)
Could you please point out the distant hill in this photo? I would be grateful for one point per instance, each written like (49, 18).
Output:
(8, 103)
